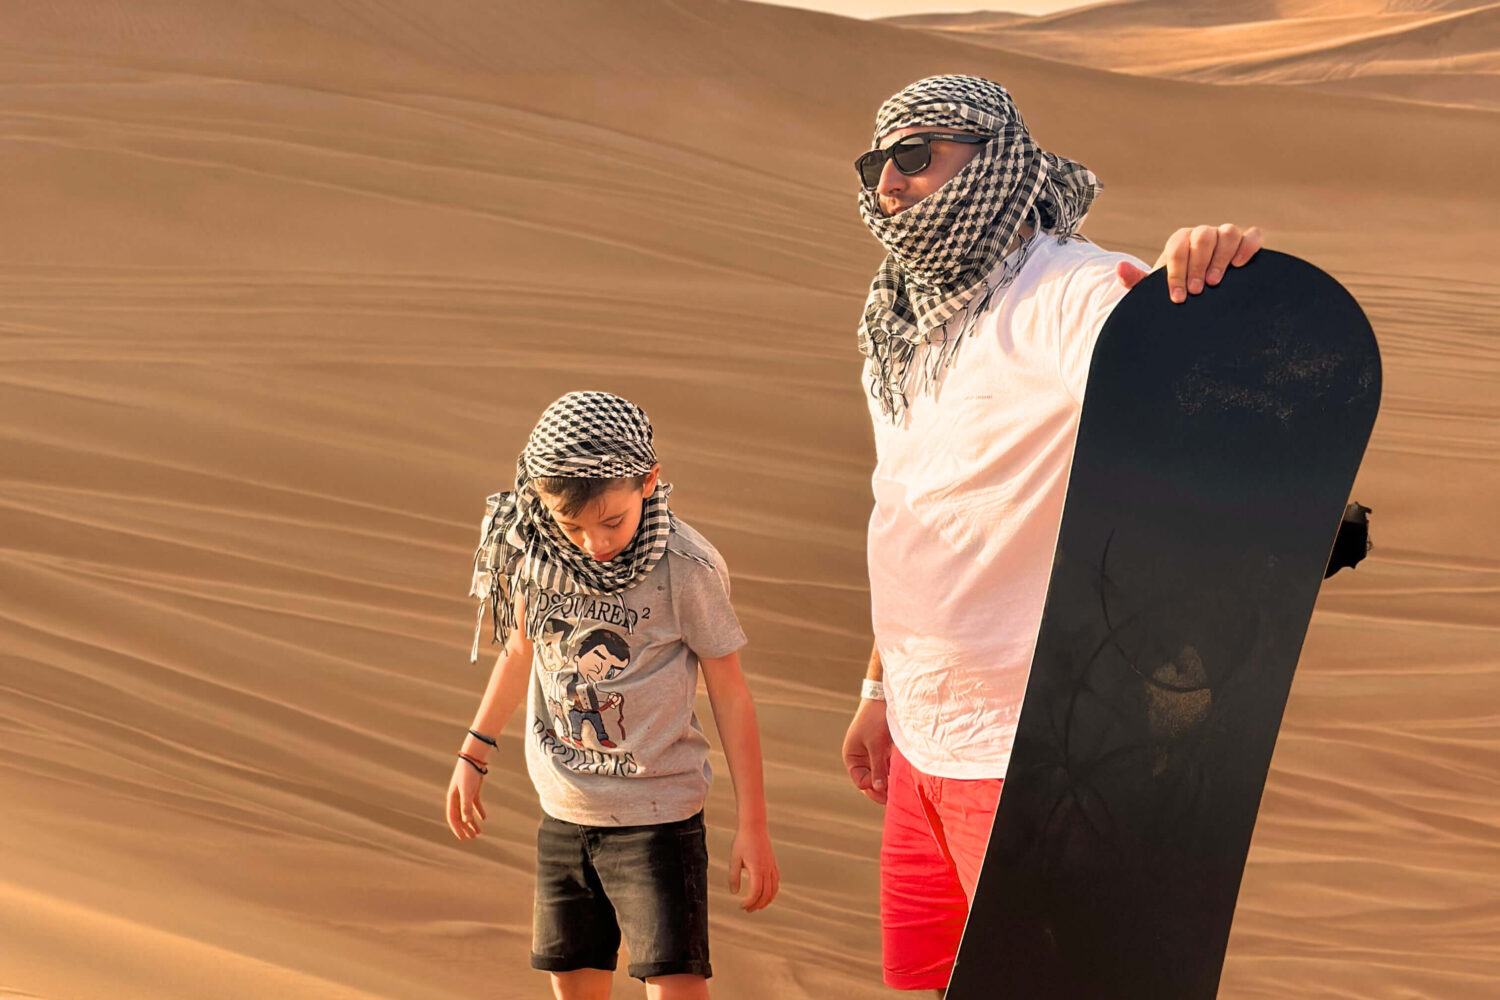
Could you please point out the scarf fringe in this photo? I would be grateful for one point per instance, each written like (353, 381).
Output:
(889, 374)
(496, 587)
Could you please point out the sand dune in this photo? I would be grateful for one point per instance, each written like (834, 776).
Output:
(1436, 53)
(1467, 41)
(284, 287)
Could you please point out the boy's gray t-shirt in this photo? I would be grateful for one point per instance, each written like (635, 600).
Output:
(623, 670)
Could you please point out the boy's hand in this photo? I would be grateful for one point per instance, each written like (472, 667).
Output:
(1198, 257)
(752, 853)
(464, 808)
(867, 750)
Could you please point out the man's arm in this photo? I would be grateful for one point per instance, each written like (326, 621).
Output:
(1198, 257)
(867, 744)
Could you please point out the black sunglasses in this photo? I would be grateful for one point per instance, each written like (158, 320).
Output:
(912, 154)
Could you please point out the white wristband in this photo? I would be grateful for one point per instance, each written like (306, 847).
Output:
(872, 690)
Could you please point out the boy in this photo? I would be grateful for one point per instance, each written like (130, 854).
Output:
(585, 556)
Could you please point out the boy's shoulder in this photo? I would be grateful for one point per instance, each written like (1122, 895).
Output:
(692, 549)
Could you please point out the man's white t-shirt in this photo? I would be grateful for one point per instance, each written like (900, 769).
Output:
(969, 493)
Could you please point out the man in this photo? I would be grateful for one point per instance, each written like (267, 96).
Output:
(977, 335)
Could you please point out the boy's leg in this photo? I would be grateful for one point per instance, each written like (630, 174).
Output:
(677, 988)
(574, 934)
(582, 984)
(657, 878)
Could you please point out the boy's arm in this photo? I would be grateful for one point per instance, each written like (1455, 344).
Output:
(504, 692)
(734, 714)
(506, 688)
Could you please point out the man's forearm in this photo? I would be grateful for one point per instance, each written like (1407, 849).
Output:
(873, 672)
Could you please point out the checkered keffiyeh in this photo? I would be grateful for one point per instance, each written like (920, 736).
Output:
(591, 435)
(943, 249)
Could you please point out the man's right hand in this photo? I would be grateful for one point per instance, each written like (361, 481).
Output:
(867, 750)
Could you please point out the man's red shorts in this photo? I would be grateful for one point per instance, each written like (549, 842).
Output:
(931, 851)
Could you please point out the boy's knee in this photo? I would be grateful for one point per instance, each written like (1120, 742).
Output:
(680, 987)
(582, 984)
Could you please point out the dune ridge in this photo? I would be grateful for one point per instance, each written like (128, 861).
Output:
(1440, 53)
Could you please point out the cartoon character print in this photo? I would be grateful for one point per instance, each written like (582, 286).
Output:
(601, 654)
(571, 668)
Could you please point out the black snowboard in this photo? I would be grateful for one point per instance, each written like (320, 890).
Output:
(1217, 447)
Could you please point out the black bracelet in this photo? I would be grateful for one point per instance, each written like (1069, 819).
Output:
(484, 739)
(473, 763)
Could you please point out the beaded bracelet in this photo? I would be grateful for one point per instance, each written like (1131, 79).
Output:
(484, 739)
(474, 763)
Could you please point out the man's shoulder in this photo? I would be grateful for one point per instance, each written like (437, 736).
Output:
(1073, 255)
(1076, 275)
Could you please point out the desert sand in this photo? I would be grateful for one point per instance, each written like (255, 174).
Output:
(284, 286)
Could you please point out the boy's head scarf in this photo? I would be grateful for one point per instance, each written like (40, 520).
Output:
(943, 249)
(589, 435)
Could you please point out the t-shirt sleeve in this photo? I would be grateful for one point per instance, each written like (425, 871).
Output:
(705, 616)
(1090, 296)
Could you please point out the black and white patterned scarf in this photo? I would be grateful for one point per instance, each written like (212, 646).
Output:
(943, 249)
(591, 435)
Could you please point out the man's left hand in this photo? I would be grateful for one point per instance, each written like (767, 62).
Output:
(1198, 257)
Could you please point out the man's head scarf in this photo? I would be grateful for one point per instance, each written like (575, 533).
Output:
(943, 249)
(522, 551)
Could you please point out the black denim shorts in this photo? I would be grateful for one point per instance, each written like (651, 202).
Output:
(593, 881)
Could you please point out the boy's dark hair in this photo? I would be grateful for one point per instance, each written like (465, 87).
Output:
(614, 644)
(574, 493)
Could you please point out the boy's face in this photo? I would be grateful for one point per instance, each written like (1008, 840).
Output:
(604, 527)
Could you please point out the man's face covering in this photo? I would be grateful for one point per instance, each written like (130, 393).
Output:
(942, 250)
